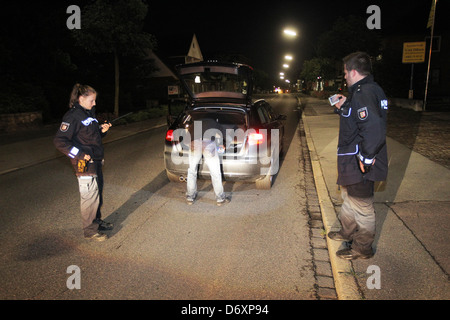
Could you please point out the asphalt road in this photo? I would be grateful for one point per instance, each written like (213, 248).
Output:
(256, 247)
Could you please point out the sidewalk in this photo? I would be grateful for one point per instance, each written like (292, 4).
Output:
(29, 148)
(413, 214)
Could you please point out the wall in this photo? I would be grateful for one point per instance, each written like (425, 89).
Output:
(20, 121)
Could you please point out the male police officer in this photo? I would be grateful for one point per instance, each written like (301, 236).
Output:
(362, 155)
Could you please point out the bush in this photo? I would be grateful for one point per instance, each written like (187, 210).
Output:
(23, 97)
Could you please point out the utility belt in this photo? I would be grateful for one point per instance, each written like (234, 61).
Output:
(84, 165)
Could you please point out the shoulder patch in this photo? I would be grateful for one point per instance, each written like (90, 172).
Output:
(363, 113)
(64, 126)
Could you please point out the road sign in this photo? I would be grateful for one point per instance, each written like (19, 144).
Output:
(414, 52)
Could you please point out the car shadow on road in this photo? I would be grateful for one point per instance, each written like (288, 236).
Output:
(135, 201)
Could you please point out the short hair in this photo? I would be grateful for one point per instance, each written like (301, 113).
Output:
(359, 61)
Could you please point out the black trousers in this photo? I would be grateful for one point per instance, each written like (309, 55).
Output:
(99, 170)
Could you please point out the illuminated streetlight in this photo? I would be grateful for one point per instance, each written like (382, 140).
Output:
(288, 57)
(281, 73)
(285, 65)
(290, 32)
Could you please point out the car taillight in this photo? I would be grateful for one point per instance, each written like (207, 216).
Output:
(169, 135)
(255, 138)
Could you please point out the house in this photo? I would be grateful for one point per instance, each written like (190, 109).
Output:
(164, 80)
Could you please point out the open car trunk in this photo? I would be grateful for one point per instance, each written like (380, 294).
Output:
(233, 121)
(217, 82)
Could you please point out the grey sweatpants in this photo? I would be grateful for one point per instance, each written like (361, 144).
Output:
(357, 218)
(207, 149)
(89, 202)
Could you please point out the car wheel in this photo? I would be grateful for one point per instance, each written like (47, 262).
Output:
(172, 177)
(264, 183)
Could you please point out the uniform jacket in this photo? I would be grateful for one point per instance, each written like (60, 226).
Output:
(80, 134)
(362, 133)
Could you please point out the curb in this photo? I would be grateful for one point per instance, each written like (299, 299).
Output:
(345, 283)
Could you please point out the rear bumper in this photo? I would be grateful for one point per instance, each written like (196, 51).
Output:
(233, 168)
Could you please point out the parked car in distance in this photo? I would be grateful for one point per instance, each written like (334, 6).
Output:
(253, 130)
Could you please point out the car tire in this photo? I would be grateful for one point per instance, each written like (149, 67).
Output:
(172, 177)
(264, 183)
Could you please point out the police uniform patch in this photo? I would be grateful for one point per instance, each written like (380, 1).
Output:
(64, 126)
(363, 113)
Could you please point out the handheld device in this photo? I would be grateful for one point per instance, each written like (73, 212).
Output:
(334, 99)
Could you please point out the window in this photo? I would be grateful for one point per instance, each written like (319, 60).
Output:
(271, 114)
(435, 76)
(214, 81)
(436, 43)
(263, 116)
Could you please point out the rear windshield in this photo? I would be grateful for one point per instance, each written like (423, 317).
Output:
(228, 119)
(216, 82)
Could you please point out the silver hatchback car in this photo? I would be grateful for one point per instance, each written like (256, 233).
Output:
(253, 131)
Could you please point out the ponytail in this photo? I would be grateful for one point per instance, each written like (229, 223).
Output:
(79, 90)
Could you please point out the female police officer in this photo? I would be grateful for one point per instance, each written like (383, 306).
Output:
(80, 138)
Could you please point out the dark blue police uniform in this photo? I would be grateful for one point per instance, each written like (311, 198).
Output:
(362, 136)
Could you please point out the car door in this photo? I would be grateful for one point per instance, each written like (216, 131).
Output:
(262, 120)
(274, 125)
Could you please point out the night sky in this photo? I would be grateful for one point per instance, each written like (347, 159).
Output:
(255, 28)
(250, 28)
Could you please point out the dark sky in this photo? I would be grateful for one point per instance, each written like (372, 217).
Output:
(251, 28)
(254, 28)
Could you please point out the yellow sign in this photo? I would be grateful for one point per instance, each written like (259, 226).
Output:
(432, 13)
(414, 52)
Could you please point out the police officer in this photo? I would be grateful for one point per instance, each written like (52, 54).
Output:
(362, 155)
(80, 138)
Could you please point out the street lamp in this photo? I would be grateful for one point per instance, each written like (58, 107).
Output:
(290, 32)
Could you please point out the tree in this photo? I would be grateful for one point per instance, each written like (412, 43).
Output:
(114, 27)
(348, 35)
(317, 67)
